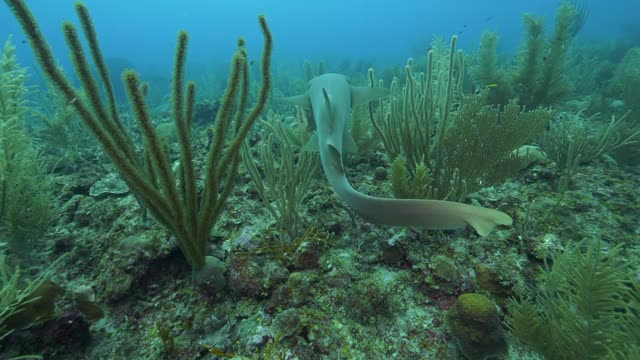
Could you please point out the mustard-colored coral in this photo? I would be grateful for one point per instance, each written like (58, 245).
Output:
(477, 307)
(475, 325)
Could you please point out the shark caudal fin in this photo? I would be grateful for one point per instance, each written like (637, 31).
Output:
(483, 220)
(426, 214)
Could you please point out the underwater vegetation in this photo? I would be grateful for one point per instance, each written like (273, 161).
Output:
(149, 176)
(475, 325)
(586, 306)
(286, 173)
(454, 153)
(201, 227)
(539, 76)
(25, 188)
(626, 80)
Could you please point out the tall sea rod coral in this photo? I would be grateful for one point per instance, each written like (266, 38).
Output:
(173, 200)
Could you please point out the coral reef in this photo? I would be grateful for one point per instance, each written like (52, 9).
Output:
(25, 187)
(292, 272)
(586, 306)
(475, 325)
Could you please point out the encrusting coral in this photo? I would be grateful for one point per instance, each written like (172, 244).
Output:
(476, 327)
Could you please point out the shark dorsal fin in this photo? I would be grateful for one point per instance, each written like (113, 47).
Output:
(327, 101)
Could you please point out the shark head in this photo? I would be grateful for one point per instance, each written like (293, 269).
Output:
(331, 107)
(330, 97)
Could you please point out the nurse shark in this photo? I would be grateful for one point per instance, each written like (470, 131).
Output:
(330, 97)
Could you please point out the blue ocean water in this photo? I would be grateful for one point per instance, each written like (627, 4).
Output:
(382, 32)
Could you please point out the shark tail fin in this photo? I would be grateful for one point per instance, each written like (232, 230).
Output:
(483, 220)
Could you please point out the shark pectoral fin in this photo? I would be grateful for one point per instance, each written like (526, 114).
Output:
(327, 99)
(301, 100)
(348, 143)
(483, 220)
(363, 95)
(312, 144)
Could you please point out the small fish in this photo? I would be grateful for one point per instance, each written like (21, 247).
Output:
(217, 352)
(24, 41)
(476, 89)
(251, 62)
(488, 18)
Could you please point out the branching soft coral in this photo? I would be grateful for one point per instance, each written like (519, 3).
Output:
(586, 306)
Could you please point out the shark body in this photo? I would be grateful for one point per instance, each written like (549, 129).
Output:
(331, 97)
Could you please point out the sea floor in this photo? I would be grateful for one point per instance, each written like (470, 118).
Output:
(345, 290)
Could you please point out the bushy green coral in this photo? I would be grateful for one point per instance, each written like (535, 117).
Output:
(464, 144)
(483, 145)
(554, 83)
(540, 76)
(61, 133)
(626, 82)
(530, 59)
(586, 306)
(25, 190)
(487, 73)
(482, 149)
(410, 186)
(475, 325)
